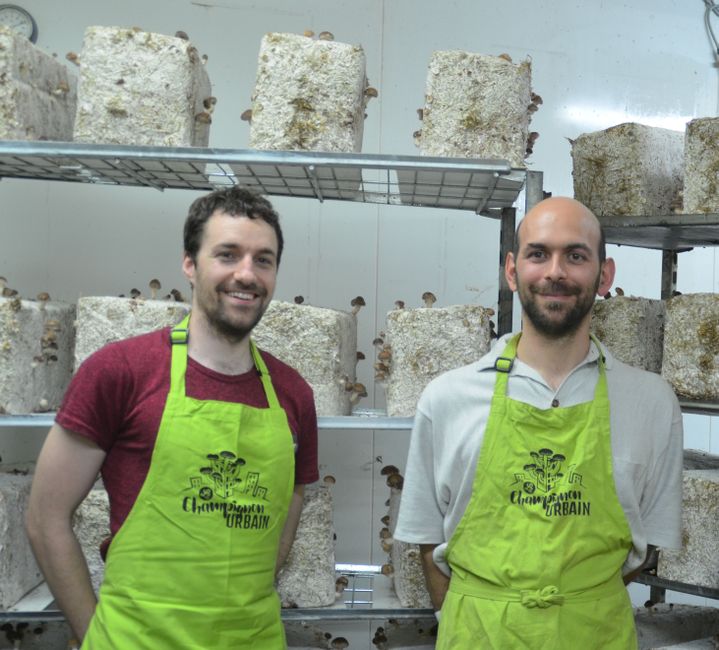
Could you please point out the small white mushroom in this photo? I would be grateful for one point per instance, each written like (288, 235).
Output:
(155, 286)
(357, 304)
(358, 392)
(429, 298)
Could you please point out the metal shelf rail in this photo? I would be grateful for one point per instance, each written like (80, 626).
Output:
(483, 186)
(661, 585)
(368, 597)
(360, 419)
(675, 232)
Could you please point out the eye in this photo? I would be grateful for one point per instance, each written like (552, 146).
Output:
(265, 261)
(577, 257)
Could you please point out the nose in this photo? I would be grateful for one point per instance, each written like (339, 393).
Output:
(556, 269)
(244, 270)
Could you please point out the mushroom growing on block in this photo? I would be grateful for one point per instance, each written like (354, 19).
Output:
(155, 286)
(429, 298)
(357, 303)
(358, 392)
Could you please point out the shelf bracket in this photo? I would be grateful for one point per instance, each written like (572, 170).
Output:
(312, 175)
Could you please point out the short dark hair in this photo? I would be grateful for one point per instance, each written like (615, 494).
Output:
(602, 244)
(235, 201)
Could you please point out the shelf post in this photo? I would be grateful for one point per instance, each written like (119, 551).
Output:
(533, 189)
(506, 244)
(669, 274)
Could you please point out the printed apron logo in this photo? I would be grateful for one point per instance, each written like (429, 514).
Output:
(221, 489)
(543, 487)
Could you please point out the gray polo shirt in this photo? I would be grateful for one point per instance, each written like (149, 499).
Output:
(646, 438)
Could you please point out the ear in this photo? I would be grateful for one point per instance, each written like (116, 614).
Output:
(510, 271)
(188, 268)
(606, 276)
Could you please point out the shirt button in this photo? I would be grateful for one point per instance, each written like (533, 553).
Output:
(555, 403)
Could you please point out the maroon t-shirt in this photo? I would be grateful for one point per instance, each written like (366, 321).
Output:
(118, 394)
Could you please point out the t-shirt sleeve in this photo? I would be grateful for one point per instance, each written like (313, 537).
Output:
(420, 519)
(92, 405)
(306, 462)
(661, 502)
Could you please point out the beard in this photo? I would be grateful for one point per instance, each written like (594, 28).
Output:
(556, 319)
(233, 329)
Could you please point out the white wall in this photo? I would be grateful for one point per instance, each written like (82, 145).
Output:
(595, 64)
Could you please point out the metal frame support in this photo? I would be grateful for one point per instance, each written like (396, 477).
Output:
(669, 273)
(533, 194)
(506, 244)
(533, 189)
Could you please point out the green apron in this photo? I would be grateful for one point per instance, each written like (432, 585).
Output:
(193, 565)
(536, 558)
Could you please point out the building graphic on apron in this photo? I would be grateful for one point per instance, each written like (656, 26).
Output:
(539, 482)
(216, 486)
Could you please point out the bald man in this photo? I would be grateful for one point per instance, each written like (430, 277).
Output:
(540, 477)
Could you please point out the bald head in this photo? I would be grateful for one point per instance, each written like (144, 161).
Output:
(558, 210)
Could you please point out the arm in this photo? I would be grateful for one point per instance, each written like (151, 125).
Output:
(288, 532)
(437, 582)
(66, 470)
(649, 562)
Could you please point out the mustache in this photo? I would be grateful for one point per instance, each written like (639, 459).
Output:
(555, 289)
(247, 288)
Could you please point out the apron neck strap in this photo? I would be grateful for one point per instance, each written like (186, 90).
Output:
(504, 363)
(179, 337)
(261, 366)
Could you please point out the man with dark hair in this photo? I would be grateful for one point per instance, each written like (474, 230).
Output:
(531, 499)
(204, 444)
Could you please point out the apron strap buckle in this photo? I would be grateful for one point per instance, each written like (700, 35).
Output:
(178, 336)
(503, 364)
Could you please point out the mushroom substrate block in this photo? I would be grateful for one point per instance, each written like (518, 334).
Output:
(628, 169)
(309, 95)
(701, 165)
(691, 345)
(141, 88)
(103, 319)
(307, 578)
(698, 561)
(426, 342)
(669, 625)
(92, 525)
(36, 349)
(632, 328)
(321, 344)
(37, 92)
(18, 568)
(476, 106)
(408, 576)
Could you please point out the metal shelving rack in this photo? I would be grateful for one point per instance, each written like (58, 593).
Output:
(483, 186)
(486, 187)
(671, 234)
